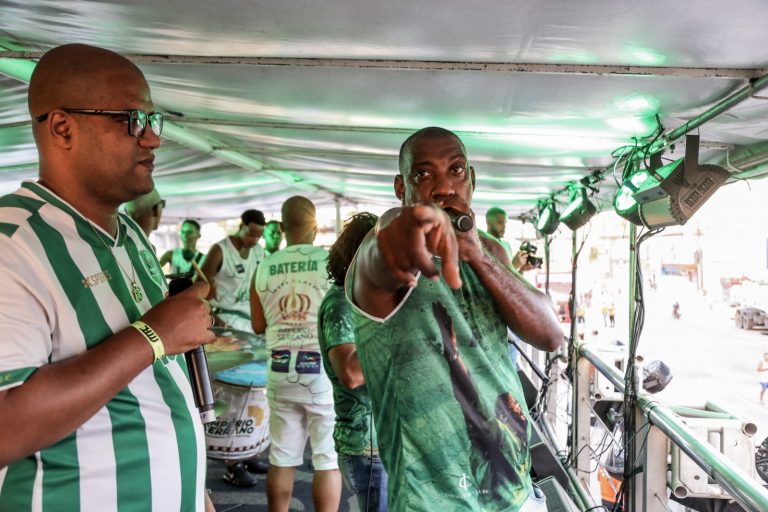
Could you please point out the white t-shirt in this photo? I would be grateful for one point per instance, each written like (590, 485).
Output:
(64, 293)
(291, 284)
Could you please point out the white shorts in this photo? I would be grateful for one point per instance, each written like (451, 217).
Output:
(291, 423)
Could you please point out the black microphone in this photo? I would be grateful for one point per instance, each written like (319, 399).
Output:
(197, 363)
(461, 221)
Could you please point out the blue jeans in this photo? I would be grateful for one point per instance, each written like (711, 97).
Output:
(366, 478)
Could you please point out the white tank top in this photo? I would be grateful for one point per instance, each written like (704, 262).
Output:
(234, 279)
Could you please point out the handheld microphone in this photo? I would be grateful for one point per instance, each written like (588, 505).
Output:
(197, 363)
(461, 221)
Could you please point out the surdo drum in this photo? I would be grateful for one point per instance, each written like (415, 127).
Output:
(241, 429)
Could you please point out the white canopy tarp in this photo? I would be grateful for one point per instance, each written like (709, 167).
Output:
(268, 99)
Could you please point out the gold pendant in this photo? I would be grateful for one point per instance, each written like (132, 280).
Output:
(136, 292)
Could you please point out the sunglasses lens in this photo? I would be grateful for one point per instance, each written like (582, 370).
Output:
(156, 122)
(137, 122)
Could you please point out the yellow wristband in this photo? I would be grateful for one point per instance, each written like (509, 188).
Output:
(151, 336)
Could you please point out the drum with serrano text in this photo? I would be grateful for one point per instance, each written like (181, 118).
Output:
(241, 429)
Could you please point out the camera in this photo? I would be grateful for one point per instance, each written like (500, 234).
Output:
(532, 260)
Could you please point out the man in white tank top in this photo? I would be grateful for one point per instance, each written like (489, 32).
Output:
(229, 268)
(285, 300)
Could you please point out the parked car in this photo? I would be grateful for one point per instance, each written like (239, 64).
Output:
(747, 317)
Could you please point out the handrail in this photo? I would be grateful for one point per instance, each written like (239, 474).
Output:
(739, 485)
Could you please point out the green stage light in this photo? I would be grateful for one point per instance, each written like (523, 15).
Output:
(624, 204)
(671, 194)
(579, 210)
(548, 219)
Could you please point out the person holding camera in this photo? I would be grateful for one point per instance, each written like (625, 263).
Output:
(496, 224)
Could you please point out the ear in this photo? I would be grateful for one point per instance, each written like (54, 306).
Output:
(60, 127)
(400, 188)
(282, 228)
(472, 176)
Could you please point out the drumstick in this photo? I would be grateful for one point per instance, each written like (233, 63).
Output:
(199, 272)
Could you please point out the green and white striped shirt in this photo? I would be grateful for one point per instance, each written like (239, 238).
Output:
(63, 292)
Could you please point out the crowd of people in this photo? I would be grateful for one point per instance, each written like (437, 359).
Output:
(387, 352)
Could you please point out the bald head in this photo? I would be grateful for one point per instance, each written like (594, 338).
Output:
(146, 210)
(299, 220)
(93, 159)
(78, 76)
(431, 132)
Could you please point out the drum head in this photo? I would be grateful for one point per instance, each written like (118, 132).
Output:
(233, 348)
(249, 375)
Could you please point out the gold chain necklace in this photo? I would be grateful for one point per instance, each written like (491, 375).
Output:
(136, 292)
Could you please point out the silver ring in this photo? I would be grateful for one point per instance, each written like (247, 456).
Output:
(213, 321)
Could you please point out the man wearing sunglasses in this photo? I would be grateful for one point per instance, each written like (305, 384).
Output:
(96, 410)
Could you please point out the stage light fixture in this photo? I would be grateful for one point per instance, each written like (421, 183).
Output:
(580, 209)
(624, 204)
(670, 194)
(548, 219)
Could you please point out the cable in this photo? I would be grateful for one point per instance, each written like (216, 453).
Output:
(618, 159)
(630, 376)
(647, 149)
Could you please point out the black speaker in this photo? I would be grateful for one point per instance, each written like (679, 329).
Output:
(557, 499)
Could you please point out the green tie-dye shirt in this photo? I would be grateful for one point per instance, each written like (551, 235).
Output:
(448, 406)
(353, 433)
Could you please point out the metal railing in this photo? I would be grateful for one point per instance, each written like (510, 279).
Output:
(652, 480)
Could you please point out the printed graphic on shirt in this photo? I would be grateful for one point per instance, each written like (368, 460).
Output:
(96, 279)
(150, 263)
(293, 267)
(294, 306)
(281, 359)
(485, 433)
(308, 362)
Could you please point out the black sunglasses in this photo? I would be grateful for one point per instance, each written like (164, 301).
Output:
(137, 119)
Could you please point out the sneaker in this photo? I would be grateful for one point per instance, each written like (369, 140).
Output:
(238, 476)
(257, 466)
